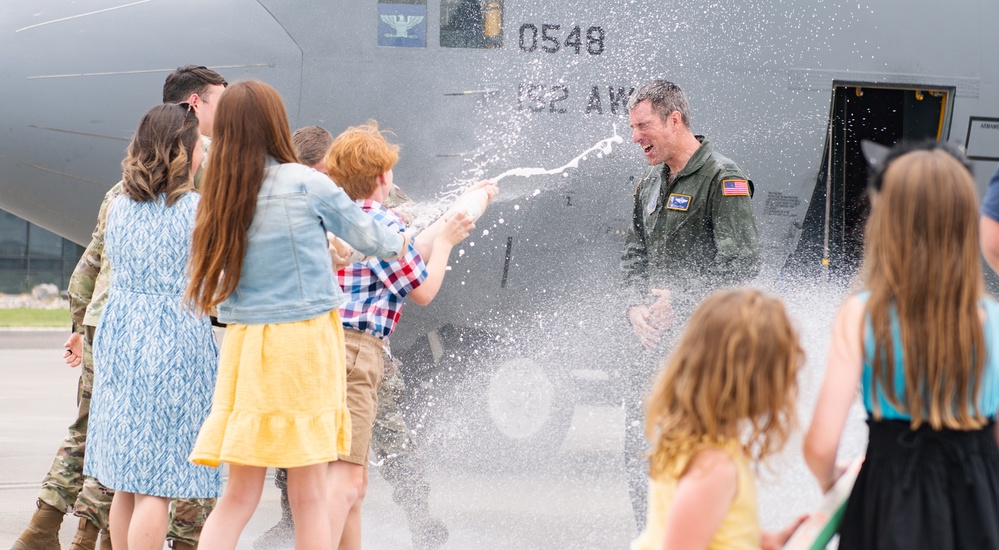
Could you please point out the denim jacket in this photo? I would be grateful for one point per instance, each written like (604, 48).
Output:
(287, 274)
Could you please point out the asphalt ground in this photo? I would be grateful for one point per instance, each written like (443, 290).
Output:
(553, 505)
(575, 498)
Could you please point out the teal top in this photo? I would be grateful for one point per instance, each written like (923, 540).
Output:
(988, 401)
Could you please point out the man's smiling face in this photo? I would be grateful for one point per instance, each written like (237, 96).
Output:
(653, 134)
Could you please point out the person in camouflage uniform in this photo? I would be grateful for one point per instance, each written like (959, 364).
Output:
(693, 231)
(65, 488)
(396, 452)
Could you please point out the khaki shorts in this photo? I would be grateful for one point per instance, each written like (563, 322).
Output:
(364, 376)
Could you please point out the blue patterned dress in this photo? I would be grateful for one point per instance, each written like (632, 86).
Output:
(154, 361)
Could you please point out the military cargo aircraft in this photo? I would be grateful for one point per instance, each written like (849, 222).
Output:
(472, 88)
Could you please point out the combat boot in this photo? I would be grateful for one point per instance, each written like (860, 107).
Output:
(182, 545)
(86, 536)
(43, 531)
(106, 540)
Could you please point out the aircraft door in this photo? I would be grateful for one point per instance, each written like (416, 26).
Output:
(832, 236)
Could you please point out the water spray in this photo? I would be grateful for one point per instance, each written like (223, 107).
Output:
(603, 147)
(474, 203)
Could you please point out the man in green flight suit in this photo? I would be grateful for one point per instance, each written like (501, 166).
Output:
(692, 232)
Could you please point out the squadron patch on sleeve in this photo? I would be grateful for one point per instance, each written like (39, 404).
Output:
(735, 188)
(678, 202)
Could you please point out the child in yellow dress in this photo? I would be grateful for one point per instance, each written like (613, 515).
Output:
(259, 253)
(724, 399)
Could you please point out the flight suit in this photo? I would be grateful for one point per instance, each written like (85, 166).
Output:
(65, 486)
(691, 233)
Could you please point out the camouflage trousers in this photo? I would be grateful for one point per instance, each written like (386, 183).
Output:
(66, 488)
(394, 450)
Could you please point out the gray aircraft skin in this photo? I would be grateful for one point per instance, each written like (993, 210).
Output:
(786, 88)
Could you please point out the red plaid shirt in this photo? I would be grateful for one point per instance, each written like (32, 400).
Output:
(375, 288)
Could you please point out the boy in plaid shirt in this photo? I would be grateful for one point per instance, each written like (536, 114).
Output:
(360, 161)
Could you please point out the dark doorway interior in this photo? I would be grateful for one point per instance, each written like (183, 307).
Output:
(833, 244)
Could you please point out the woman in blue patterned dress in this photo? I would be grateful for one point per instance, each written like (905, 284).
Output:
(154, 360)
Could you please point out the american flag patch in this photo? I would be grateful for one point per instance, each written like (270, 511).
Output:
(735, 188)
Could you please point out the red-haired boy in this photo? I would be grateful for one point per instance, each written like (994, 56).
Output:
(360, 161)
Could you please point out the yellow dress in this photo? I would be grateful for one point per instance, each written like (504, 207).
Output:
(280, 396)
(740, 529)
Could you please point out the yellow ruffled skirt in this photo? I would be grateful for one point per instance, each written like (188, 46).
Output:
(280, 396)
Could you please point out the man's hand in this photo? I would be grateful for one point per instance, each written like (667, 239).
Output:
(74, 350)
(661, 313)
(647, 334)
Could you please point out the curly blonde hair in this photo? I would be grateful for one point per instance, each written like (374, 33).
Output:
(732, 376)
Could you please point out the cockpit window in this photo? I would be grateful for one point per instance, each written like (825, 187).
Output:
(402, 23)
(471, 23)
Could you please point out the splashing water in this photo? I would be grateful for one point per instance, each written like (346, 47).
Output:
(424, 214)
(603, 147)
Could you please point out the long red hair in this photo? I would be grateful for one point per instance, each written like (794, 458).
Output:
(250, 125)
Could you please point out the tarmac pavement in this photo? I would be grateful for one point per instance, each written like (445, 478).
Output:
(574, 499)
(578, 501)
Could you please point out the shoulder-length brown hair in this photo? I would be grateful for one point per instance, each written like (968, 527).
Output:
(732, 376)
(922, 265)
(159, 155)
(250, 125)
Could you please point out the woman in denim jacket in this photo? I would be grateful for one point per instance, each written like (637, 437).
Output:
(260, 254)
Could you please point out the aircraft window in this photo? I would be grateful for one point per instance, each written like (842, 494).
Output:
(402, 23)
(471, 23)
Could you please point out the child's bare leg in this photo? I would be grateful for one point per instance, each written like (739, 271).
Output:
(307, 497)
(238, 502)
(119, 518)
(351, 537)
(148, 527)
(346, 488)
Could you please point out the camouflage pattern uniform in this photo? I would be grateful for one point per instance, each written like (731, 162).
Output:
(65, 487)
(395, 450)
(398, 459)
(690, 237)
(62, 486)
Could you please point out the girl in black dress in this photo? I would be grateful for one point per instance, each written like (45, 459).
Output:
(921, 340)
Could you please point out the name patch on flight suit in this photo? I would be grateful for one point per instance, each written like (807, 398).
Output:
(678, 202)
(735, 188)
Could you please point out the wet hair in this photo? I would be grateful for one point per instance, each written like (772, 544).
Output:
(311, 144)
(358, 156)
(922, 267)
(665, 98)
(160, 153)
(190, 79)
(732, 376)
(880, 165)
(250, 125)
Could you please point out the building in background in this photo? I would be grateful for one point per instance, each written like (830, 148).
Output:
(30, 255)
